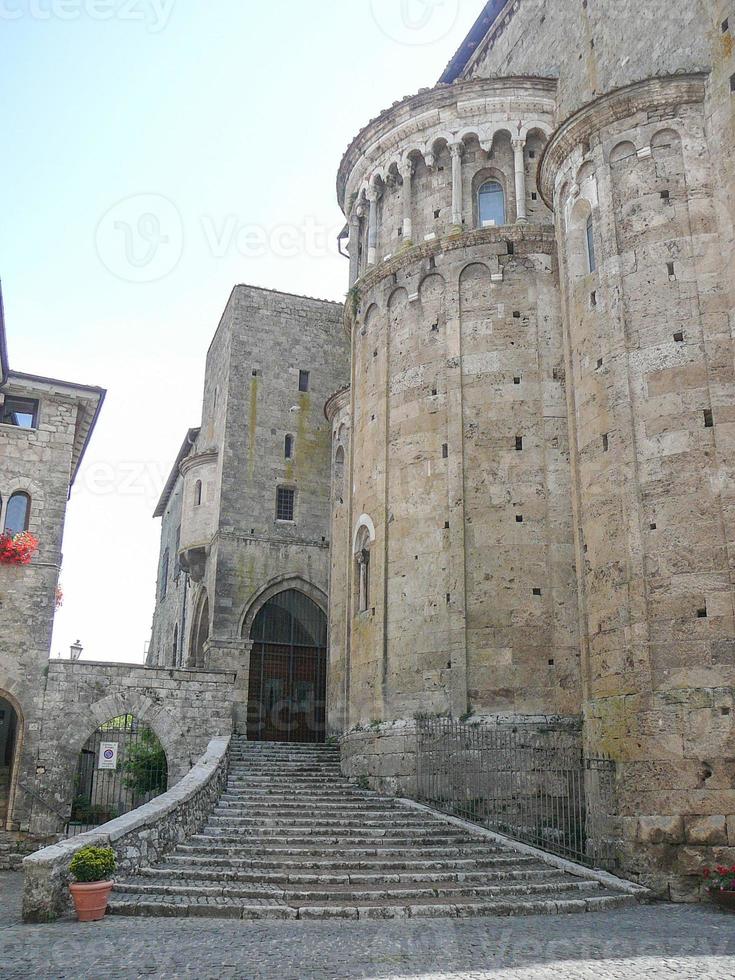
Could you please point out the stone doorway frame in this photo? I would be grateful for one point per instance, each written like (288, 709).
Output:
(7, 824)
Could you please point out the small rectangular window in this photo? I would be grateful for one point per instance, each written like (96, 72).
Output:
(519, 443)
(708, 418)
(288, 447)
(605, 443)
(22, 412)
(303, 380)
(285, 504)
(726, 25)
(732, 83)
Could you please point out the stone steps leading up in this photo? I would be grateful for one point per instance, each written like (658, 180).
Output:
(291, 838)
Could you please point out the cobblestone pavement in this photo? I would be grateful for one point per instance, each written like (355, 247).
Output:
(648, 942)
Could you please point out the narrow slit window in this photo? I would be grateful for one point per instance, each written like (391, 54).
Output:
(591, 258)
(708, 418)
(519, 443)
(288, 447)
(303, 380)
(198, 493)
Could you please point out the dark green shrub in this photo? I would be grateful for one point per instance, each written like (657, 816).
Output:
(93, 864)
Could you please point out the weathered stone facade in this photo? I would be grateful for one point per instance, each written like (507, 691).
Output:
(539, 429)
(220, 502)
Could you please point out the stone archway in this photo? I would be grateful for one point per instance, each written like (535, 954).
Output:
(11, 747)
(288, 666)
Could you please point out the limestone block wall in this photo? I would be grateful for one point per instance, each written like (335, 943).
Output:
(594, 48)
(651, 392)
(460, 468)
(337, 412)
(184, 708)
(384, 754)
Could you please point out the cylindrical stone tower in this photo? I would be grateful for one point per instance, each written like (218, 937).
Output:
(650, 386)
(456, 590)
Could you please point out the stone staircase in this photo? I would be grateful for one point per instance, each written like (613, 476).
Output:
(292, 839)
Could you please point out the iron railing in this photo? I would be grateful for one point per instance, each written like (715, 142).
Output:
(121, 766)
(529, 782)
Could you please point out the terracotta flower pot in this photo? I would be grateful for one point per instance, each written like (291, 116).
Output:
(90, 900)
(725, 899)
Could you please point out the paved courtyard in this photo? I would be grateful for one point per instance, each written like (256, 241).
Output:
(645, 942)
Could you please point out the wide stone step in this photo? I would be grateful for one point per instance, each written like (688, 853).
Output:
(293, 895)
(265, 796)
(356, 851)
(336, 863)
(181, 905)
(271, 839)
(222, 821)
(362, 879)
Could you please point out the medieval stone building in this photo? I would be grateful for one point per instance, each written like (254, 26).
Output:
(244, 547)
(533, 468)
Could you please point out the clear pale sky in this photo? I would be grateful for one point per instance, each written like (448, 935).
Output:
(219, 126)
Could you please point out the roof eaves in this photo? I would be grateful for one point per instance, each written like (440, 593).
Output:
(470, 44)
(186, 446)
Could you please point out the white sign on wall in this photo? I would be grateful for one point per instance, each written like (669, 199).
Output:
(108, 755)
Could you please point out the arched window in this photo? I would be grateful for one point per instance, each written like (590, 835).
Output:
(288, 447)
(591, 260)
(198, 493)
(17, 513)
(491, 204)
(362, 574)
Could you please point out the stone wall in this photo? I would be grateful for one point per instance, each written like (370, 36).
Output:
(139, 839)
(185, 709)
(384, 754)
(594, 47)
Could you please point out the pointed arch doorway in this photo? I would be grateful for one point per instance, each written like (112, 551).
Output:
(288, 664)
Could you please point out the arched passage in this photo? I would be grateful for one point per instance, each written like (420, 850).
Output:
(287, 683)
(121, 766)
(11, 734)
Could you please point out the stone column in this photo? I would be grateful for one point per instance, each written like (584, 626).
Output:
(520, 171)
(354, 245)
(407, 171)
(456, 151)
(372, 197)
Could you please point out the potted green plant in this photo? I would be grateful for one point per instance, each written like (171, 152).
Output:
(92, 868)
(721, 885)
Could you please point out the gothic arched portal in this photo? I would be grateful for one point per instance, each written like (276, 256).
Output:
(288, 662)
